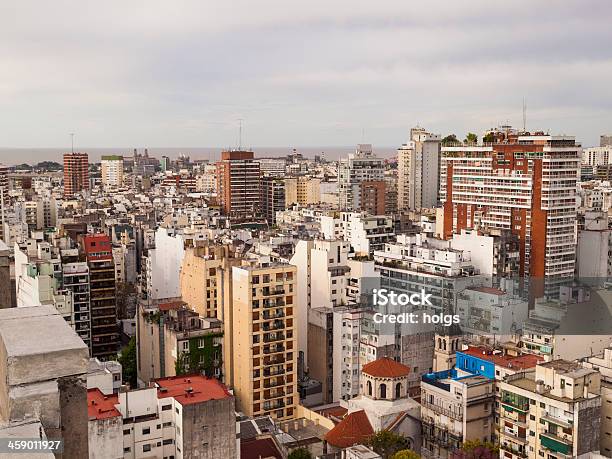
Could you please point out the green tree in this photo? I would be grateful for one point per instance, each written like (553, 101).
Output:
(300, 453)
(449, 139)
(471, 138)
(406, 454)
(127, 359)
(489, 138)
(387, 443)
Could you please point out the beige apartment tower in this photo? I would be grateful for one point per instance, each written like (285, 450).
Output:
(200, 277)
(302, 190)
(418, 166)
(264, 340)
(112, 171)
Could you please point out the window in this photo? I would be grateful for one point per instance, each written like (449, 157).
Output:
(166, 407)
(383, 391)
(126, 431)
(146, 448)
(127, 449)
(562, 383)
(168, 441)
(185, 345)
(146, 431)
(167, 424)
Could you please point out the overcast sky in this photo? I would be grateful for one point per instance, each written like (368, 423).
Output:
(304, 73)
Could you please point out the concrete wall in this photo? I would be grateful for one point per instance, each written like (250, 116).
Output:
(106, 438)
(43, 365)
(209, 429)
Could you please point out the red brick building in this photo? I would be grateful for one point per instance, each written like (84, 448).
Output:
(76, 173)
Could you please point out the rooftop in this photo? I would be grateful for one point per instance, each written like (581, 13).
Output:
(489, 290)
(354, 429)
(574, 369)
(191, 389)
(259, 448)
(100, 406)
(173, 305)
(520, 362)
(385, 368)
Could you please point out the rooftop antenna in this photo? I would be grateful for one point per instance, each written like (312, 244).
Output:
(524, 115)
(72, 141)
(240, 120)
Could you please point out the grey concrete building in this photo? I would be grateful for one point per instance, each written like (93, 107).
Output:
(43, 366)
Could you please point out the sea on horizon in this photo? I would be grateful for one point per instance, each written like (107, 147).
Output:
(14, 156)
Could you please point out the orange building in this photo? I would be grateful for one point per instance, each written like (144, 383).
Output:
(524, 183)
(76, 173)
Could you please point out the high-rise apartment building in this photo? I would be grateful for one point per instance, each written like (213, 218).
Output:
(4, 198)
(552, 413)
(525, 183)
(6, 300)
(597, 156)
(264, 341)
(112, 171)
(104, 332)
(238, 184)
(418, 163)
(302, 190)
(361, 166)
(605, 140)
(76, 173)
(272, 197)
(200, 277)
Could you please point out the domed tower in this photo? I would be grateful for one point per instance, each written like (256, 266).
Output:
(448, 340)
(384, 379)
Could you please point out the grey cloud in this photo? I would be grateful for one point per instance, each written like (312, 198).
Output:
(299, 73)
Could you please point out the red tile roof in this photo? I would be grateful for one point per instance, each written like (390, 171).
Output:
(385, 368)
(174, 305)
(100, 406)
(355, 428)
(191, 389)
(335, 413)
(520, 362)
(491, 290)
(262, 448)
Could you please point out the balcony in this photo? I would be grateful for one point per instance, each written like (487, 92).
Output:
(273, 349)
(268, 316)
(271, 337)
(269, 372)
(274, 406)
(556, 444)
(278, 360)
(513, 451)
(442, 410)
(278, 382)
(277, 325)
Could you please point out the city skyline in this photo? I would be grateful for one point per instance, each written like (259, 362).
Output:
(311, 76)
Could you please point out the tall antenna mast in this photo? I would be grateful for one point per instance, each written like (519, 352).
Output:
(72, 141)
(524, 116)
(240, 120)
